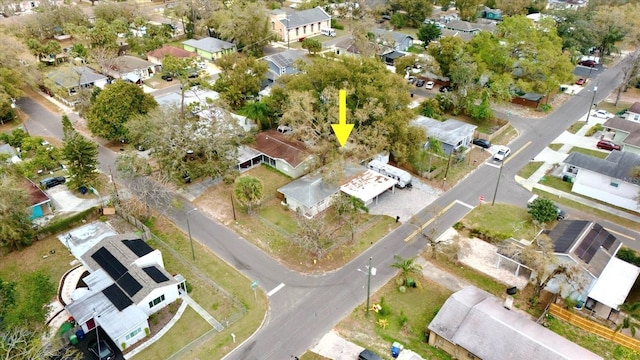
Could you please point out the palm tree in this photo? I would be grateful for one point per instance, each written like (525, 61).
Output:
(406, 266)
(631, 320)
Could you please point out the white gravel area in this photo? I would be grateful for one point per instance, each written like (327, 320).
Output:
(405, 202)
(482, 256)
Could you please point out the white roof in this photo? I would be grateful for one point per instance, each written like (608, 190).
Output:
(368, 185)
(614, 283)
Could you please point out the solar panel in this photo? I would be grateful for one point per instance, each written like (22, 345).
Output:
(117, 297)
(566, 233)
(130, 285)
(589, 254)
(155, 274)
(138, 247)
(109, 263)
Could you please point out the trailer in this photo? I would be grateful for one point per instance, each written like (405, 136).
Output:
(402, 177)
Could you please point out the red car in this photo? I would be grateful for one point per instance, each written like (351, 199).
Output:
(580, 81)
(588, 63)
(607, 145)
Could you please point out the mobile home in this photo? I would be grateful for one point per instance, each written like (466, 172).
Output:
(403, 177)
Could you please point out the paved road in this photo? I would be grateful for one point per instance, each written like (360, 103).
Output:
(307, 307)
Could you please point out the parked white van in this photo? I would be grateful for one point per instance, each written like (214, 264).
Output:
(328, 32)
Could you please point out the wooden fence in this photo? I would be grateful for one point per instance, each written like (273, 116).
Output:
(594, 327)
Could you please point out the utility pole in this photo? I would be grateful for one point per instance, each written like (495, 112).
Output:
(193, 254)
(115, 188)
(497, 183)
(591, 104)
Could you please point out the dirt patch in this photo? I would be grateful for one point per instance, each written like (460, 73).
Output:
(630, 96)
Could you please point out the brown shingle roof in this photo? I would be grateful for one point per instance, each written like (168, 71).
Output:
(280, 146)
(36, 195)
(170, 50)
(635, 108)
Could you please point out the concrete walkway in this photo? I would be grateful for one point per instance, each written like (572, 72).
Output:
(553, 158)
(202, 312)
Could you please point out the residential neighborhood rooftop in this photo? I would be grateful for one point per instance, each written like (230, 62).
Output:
(302, 17)
(368, 185)
(209, 44)
(276, 145)
(170, 50)
(617, 165)
(71, 76)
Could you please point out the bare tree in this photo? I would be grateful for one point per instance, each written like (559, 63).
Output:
(316, 235)
(629, 73)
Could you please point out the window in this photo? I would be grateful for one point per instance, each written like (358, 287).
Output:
(273, 25)
(133, 333)
(156, 301)
(297, 31)
(614, 184)
(311, 27)
(304, 29)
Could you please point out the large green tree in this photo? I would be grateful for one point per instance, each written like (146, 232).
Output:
(381, 117)
(446, 52)
(114, 106)
(428, 33)
(415, 11)
(81, 155)
(213, 141)
(468, 9)
(543, 210)
(15, 223)
(16, 71)
(246, 24)
(240, 78)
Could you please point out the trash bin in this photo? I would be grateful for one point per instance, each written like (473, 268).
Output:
(567, 178)
(396, 347)
(80, 334)
(73, 339)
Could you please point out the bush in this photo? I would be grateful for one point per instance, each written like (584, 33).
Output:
(402, 289)
(399, 281)
(545, 107)
(60, 225)
(595, 128)
(458, 226)
(336, 25)
(385, 309)
(402, 319)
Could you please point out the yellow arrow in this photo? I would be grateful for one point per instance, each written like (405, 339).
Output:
(342, 129)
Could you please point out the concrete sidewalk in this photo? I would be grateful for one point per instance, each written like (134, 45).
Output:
(553, 158)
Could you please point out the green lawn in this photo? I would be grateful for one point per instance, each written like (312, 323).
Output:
(590, 152)
(190, 327)
(502, 220)
(410, 314)
(220, 305)
(576, 126)
(556, 183)
(530, 168)
(555, 147)
(605, 348)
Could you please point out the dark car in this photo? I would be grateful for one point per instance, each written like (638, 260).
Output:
(607, 145)
(483, 143)
(367, 354)
(445, 88)
(103, 351)
(167, 77)
(588, 63)
(561, 214)
(48, 183)
(193, 75)
(420, 83)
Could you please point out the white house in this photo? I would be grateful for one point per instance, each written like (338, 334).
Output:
(131, 68)
(608, 279)
(311, 194)
(294, 25)
(127, 282)
(609, 180)
(453, 134)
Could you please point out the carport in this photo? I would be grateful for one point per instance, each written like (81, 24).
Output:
(368, 186)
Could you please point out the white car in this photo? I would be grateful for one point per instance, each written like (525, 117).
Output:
(502, 153)
(603, 114)
(429, 85)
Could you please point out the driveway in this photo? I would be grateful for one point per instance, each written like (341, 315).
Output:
(65, 201)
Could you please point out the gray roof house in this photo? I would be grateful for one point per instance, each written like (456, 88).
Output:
(609, 180)
(453, 134)
(593, 248)
(633, 113)
(282, 63)
(209, 48)
(74, 78)
(473, 324)
(292, 25)
(393, 39)
(311, 194)
(131, 68)
(625, 133)
(127, 282)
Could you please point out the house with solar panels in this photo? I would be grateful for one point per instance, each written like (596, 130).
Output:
(593, 248)
(126, 283)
